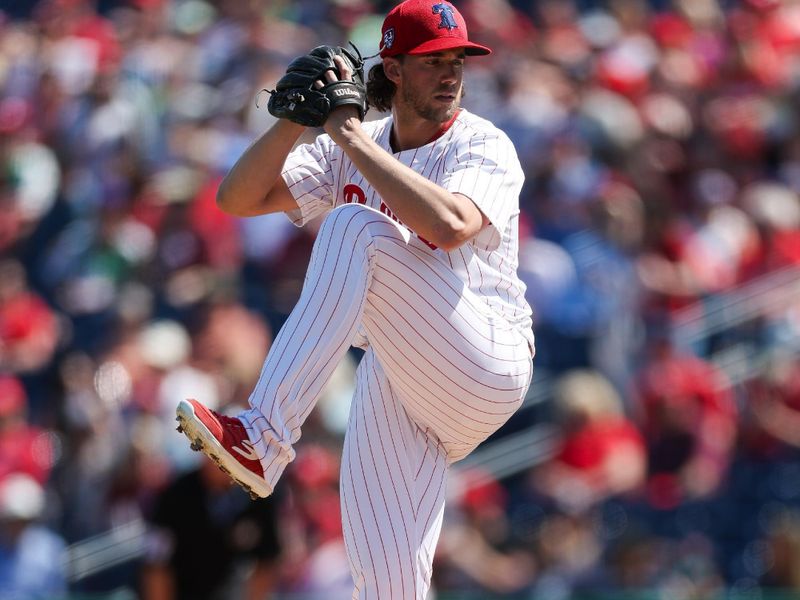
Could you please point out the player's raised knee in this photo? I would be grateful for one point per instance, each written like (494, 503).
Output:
(359, 220)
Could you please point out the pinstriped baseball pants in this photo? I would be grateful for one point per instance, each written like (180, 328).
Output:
(442, 372)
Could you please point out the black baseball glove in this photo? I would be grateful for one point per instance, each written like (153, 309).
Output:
(296, 98)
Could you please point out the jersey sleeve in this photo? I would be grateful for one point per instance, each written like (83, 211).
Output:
(485, 168)
(308, 173)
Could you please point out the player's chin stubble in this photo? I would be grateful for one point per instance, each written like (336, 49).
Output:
(430, 110)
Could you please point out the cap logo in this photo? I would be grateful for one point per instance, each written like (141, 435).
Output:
(388, 37)
(446, 11)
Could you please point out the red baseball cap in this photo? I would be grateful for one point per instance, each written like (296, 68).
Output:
(423, 27)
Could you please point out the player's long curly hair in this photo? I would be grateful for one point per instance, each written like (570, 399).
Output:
(380, 89)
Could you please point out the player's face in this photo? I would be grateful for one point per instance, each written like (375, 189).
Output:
(431, 84)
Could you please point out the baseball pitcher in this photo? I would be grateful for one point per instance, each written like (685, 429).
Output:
(415, 262)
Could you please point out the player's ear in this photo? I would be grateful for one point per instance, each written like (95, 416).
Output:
(391, 67)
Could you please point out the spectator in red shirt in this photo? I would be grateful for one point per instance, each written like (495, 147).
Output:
(602, 453)
(23, 448)
(28, 327)
(687, 413)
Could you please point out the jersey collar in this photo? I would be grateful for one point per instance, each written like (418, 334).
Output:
(445, 126)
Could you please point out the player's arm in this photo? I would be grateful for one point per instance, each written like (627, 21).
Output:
(254, 185)
(443, 218)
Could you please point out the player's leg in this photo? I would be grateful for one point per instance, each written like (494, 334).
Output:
(255, 447)
(318, 332)
(459, 369)
(392, 487)
(442, 374)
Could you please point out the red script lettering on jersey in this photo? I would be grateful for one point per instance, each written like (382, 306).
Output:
(355, 195)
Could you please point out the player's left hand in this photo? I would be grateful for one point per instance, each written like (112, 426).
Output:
(317, 84)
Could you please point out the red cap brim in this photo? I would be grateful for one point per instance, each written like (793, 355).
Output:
(444, 43)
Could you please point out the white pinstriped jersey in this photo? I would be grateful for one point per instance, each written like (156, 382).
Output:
(472, 157)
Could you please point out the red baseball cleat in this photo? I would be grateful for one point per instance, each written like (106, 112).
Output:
(224, 440)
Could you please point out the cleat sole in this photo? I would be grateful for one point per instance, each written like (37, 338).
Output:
(202, 440)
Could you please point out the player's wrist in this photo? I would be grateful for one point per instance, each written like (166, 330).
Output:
(343, 122)
(290, 128)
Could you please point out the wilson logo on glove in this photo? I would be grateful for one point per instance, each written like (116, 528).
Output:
(345, 92)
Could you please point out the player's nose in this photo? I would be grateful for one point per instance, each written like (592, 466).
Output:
(449, 74)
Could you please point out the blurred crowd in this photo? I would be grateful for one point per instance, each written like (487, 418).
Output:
(660, 245)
